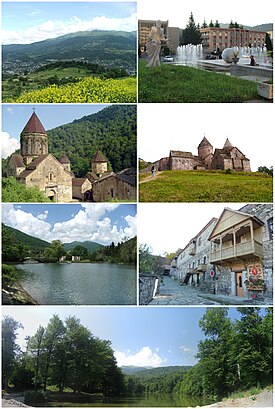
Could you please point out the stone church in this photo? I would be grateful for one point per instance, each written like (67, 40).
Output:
(35, 166)
(229, 157)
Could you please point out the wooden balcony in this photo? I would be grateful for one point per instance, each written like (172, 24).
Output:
(201, 267)
(243, 251)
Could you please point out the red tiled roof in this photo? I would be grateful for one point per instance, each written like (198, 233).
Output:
(34, 125)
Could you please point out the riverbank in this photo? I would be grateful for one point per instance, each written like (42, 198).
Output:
(262, 400)
(16, 295)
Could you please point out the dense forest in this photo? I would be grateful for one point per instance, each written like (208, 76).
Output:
(111, 130)
(65, 354)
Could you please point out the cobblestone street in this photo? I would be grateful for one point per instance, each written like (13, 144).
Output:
(171, 293)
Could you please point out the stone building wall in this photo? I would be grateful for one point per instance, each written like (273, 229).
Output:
(148, 287)
(112, 187)
(51, 179)
(182, 163)
(199, 247)
(81, 191)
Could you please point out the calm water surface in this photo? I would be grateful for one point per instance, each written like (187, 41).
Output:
(157, 400)
(80, 283)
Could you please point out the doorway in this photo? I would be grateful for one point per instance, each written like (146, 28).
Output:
(239, 284)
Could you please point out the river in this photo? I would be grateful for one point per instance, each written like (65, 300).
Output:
(80, 283)
(150, 400)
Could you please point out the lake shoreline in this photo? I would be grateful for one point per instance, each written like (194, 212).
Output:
(17, 295)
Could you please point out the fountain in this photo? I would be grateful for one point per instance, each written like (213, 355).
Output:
(189, 54)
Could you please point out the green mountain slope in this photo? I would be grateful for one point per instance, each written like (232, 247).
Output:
(112, 48)
(112, 130)
(91, 246)
(17, 246)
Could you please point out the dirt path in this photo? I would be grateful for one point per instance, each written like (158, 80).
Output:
(149, 178)
(262, 400)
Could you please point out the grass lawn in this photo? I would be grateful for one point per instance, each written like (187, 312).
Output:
(175, 83)
(206, 186)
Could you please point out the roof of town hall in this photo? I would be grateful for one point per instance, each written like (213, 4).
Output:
(34, 125)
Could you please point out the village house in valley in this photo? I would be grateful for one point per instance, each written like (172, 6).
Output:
(232, 255)
(228, 157)
(35, 166)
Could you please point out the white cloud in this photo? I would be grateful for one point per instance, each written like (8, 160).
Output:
(91, 223)
(43, 216)
(26, 222)
(144, 357)
(8, 144)
(55, 28)
(186, 349)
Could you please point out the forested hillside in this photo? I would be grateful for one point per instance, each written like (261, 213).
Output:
(112, 130)
(111, 48)
(17, 245)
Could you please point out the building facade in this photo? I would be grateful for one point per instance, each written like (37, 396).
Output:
(229, 157)
(214, 37)
(232, 255)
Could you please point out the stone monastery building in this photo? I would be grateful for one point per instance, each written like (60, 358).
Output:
(232, 255)
(229, 157)
(35, 166)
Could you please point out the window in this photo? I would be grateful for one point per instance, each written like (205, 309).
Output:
(50, 176)
(270, 227)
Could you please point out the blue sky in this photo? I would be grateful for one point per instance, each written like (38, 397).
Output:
(15, 117)
(27, 22)
(142, 336)
(102, 223)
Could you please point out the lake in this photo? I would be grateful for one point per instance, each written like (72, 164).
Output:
(150, 400)
(80, 283)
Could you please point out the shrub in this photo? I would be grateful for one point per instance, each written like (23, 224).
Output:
(35, 397)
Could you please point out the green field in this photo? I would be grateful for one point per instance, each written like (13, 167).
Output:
(174, 83)
(205, 186)
(13, 88)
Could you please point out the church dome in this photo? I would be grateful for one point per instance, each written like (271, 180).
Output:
(34, 125)
(204, 143)
(64, 159)
(227, 144)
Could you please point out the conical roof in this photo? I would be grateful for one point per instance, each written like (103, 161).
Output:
(34, 125)
(227, 144)
(204, 142)
(99, 157)
(64, 159)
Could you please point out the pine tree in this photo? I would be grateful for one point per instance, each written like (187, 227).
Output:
(191, 34)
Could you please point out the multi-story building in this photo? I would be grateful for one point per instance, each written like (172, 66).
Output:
(172, 33)
(232, 255)
(214, 37)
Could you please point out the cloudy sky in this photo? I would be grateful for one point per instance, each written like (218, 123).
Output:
(15, 117)
(28, 22)
(178, 11)
(183, 126)
(159, 336)
(102, 223)
(168, 227)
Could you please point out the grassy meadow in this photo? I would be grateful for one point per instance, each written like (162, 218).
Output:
(205, 186)
(175, 83)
